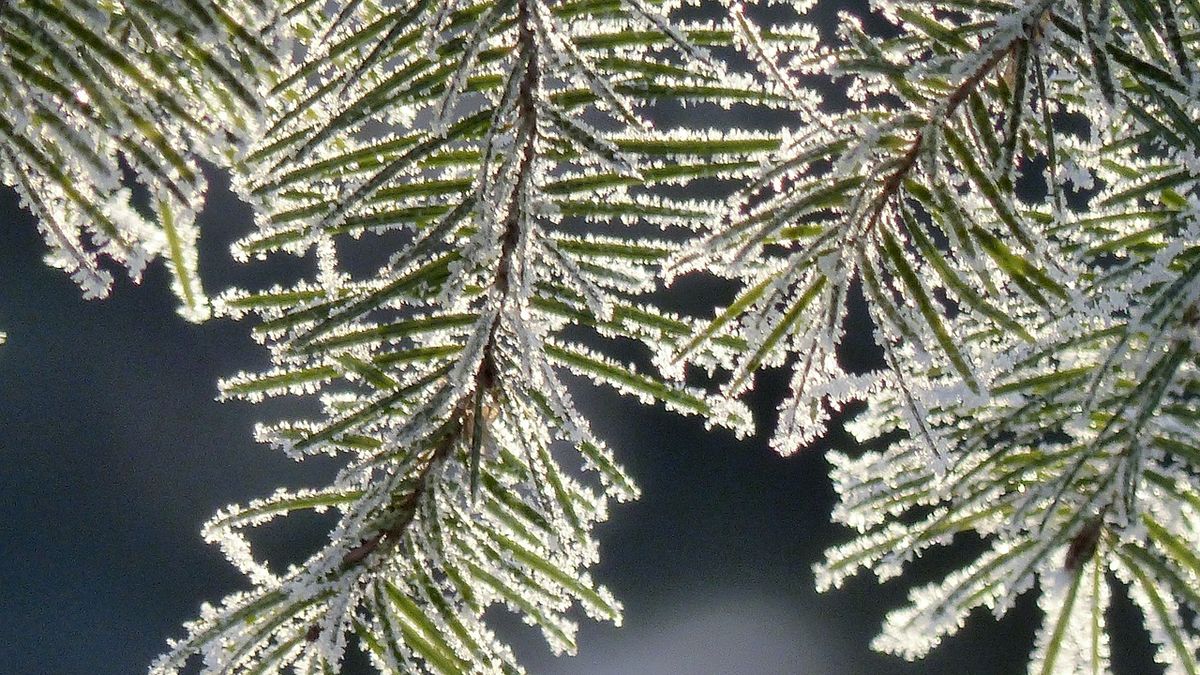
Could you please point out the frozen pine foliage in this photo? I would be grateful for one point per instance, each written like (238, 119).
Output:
(489, 193)
(92, 89)
(1012, 188)
(486, 199)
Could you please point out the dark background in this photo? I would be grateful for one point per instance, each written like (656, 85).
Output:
(113, 452)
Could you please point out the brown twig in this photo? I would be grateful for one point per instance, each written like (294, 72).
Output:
(487, 375)
(891, 185)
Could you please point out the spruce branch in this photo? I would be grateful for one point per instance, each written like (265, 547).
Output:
(152, 88)
(1037, 355)
(1040, 374)
(441, 368)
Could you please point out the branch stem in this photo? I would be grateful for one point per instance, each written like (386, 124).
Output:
(891, 185)
(487, 374)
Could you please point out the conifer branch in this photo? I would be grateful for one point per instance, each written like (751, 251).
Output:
(891, 185)
(449, 353)
(1040, 373)
(1035, 349)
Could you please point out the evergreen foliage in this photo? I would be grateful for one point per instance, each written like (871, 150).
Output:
(93, 90)
(468, 140)
(1012, 187)
(1008, 187)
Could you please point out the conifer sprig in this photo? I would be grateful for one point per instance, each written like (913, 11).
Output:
(1013, 188)
(145, 87)
(502, 154)
(487, 195)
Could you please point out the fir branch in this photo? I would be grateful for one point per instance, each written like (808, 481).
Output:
(1070, 313)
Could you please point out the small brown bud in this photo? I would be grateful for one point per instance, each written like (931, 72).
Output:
(1083, 544)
